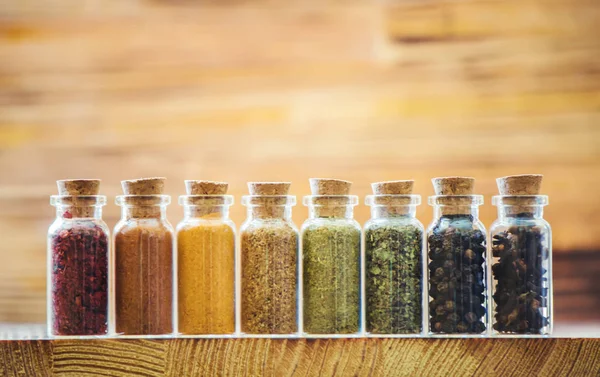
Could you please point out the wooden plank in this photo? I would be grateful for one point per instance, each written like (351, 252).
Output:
(305, 357)
(25, 358)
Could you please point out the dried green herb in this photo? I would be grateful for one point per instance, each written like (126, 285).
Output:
(269, 257)
(331, 253)
(393, 264)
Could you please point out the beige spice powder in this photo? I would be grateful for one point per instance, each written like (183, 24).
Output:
(269, 260)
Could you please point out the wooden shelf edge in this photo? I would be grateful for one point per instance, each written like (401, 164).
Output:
(301, 357)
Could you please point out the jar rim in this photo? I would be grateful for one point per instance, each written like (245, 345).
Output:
(78, 200)
(142, 200)
(270, 200)
(393, 200)
(456, 200)
(206, 200)
(520, 200)
(330, 200)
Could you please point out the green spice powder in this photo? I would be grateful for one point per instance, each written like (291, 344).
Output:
(331, 252)
(393, 263)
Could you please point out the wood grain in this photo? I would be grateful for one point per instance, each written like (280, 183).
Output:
(287, 90)
(302, 357)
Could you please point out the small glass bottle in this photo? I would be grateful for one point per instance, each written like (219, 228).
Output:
(457, 260)
(394, 261)
(143, 269)
(269, 261)
(78, 261)
(206, 260)
(331, 260)
(522, 259)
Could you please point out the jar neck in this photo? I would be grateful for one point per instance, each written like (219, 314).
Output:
(206, 212)
(76, 212)
(269, 206)
(518, 211)
(144, 212)
(335, 212)
(439, 211)
(449, 205)
(143, 206)
(520, 206)
(82, 206)
(385, 212)
(206, 207)
(282, 212)
(330, 206)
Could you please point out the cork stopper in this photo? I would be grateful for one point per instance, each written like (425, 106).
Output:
(193, 187)
(453, 185)
(393, 187)
(328, 186)
(77, 187)
(144, 186)
(268, 188)
(524, 184)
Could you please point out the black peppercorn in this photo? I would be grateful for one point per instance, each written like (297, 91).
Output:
(457, 282)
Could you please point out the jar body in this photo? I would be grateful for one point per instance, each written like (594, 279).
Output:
(521, 273)
(457, 272)
(78, 273)
(206, 271)
(394, 275)
(331, 265)
(269, 260)
(143, 269)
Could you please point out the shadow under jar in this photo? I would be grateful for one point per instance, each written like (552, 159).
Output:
(522, 266)
(393, 265)
(269, 255)
(78, 265)
(331, 265)
(143, 266)
(457, 266)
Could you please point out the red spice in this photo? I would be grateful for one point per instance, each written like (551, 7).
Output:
(79, 281)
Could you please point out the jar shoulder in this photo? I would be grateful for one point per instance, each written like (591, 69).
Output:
(251, 225)
(505, 224)
(129, 225)
(331, 223)
(77, 224)
(394, 223)
(184, 225)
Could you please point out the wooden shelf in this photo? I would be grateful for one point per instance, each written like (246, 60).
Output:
(301, 357)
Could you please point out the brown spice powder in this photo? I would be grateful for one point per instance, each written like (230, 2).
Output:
(144, 279)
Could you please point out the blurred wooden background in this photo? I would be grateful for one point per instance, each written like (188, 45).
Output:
(287, 90)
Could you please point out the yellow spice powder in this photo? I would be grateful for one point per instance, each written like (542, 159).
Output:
(206, 266)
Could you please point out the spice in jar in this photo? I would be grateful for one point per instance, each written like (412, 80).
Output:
(456, 248)
(78, 261)
(521, 252)
(144, 260)
(206, 260)
(269, 251)
(331, 260)
(393, 260)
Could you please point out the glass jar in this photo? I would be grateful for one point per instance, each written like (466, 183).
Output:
(269, 255)
(143, 266)
(457, 266)
(206, 265)
(78, 265)
(521, 266)
(394, 265)
(331, 242)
